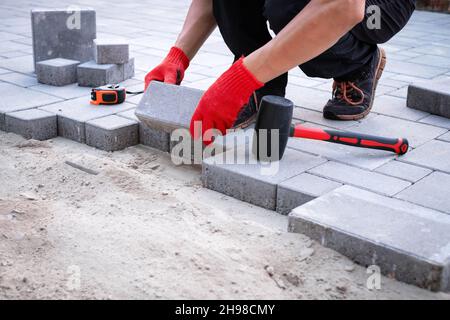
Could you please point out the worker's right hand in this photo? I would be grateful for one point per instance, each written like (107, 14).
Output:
(171, 70)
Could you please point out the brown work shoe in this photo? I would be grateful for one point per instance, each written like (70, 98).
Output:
(353, 99)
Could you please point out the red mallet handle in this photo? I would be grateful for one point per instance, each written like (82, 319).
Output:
(398, 146)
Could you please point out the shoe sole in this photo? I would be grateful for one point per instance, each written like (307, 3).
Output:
(379, 73)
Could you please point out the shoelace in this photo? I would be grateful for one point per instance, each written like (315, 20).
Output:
(342, 90)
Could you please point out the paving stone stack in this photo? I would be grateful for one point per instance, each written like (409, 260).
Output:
(112, 65)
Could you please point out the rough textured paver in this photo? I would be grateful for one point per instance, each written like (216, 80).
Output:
(375, 230)
(111, 52)
(404, 171)
(112, 133)
(254, 183)
(372, 181)
(301, 189)
(432, 192)
(91, 74)
(73, 114)
(60, 34)
(149, 137)
(431, 96)
(433, 155)
(32, 124)
(16, 98)
(167, 107)
(57, 72)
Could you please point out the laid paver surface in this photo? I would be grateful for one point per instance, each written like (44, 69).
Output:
(420, 52)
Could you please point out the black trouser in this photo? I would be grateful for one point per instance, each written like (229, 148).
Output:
(243, 24)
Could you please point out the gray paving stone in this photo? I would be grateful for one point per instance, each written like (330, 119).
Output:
(317, 118)
(157, 139)
(167, 107)
(308, 98)
(57, 72)
(370, 229)
(413, 69)
(112, 133)
(128, 69)
(21, 64)
(111, 52)
(404, 171)
(433, 155)
(19, 79)
(65, 92)
(301, 189)
(445, 137)
(432, 192)
(368, 180)
(250, 181)
(57, 35)
(437, 121)
(91, 74)
(32, 124)
(73, 115)
(416, 133)
(15, 98)
(431, 96)
(396, 107)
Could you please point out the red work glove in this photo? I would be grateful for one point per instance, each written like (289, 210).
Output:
(171, 70)
(222, 102)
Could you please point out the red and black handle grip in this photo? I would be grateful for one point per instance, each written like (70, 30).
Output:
(398, 146)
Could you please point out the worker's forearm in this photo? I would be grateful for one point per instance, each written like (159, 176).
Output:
(314, 30)
(198, 26)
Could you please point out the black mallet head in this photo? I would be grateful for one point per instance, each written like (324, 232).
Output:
(273, 128)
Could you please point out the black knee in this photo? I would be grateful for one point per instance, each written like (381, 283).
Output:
(280, 12)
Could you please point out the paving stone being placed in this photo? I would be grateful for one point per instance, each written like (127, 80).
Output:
(111, 52)
(368, 180)
(112, 133)
(434, 155)
(159, 140)
(302, 189)
(66, 34)
(57, 72)
(32, 124)
(91, 74)
(168, 107)
(431, 96)
(15, 98)
(407, 242)
(73, 115)
(236, 173)
(432, 192)
(404, 171)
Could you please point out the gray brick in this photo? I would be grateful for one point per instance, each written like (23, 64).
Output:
(301, 189)
(412, 69)
(368, 180)
(111, 52)
(159, 140)
(253, 182)
(91, 74)
(57, 72)
(66, 92)
(32, 124)
(416, 133)
(437, 121)
(404, 171)
(16, 98)
(167, 107)
(308, 98)
(128, 69)
(432, 192)
(445, 137)
(433, 155)
(396, 107)
(431, 96)
(19, 79)
(112, 133)
(21, 64)
(52, 38)
(73, 114)
(375, 230)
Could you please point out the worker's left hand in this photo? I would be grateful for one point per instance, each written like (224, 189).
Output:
(222, 102)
